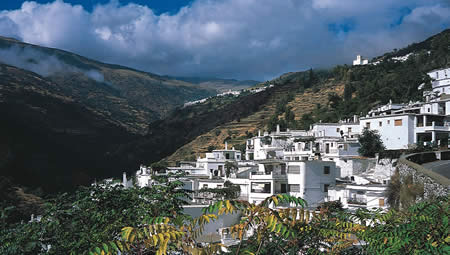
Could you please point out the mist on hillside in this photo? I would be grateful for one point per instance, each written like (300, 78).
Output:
(41, 63)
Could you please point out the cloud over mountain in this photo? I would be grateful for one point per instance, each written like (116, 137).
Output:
(229, 38)
(41, 63)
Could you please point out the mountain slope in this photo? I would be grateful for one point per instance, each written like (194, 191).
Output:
(131, 97)
(50, 140)
(221, 85)
(236, 132)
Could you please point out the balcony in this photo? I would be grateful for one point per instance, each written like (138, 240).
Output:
(267, 176)
(433, 126)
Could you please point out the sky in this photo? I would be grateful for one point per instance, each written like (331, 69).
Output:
(243, 39)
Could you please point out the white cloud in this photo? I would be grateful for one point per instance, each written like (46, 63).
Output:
(41, 63)
(229, 38)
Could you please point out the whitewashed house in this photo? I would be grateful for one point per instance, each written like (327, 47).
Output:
(440, 80)
(360, 61)
(308, 179)
(355, 196)
(212, 165)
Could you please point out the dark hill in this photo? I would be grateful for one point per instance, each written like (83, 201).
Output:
(128, 96)
(50, 140)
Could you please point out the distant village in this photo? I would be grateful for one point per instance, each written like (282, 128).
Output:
(230, 92)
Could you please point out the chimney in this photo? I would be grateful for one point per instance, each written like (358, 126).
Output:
(259, 133)
(124, 179)
(355, 118)
(278, 128)
(226, 145)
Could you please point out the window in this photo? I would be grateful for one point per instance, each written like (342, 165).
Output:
(398, 122)
(380, 123)
(325, 187)
(283, 188)
(219, 186)
(227, 156)
(263, 187)
(283, 169)
(337, 130)
(205, 186)
(429, 108)
(294, 187)
(368, 125)
(349, 129)
(389, 122)
(293, 169)
(326, 170)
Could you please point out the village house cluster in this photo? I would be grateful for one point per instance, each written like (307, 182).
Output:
(323, 163)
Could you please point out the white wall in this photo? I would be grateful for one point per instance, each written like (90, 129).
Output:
(316, 179)
(393, 137)
(326, 129)
(312, 180)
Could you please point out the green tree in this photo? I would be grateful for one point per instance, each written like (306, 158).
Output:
(159, 167)
(72, 223)
(230, 167)
(420, 229)
(371, 143)
(393, 191)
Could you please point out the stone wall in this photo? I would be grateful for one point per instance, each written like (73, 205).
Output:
(434, 184)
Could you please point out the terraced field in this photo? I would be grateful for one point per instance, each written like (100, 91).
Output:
(238, 131)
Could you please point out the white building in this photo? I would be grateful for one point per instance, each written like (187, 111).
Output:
(212, 165)
(360, 61)
(441, 80)
(355, 196)
(403, 125)
(309, 180)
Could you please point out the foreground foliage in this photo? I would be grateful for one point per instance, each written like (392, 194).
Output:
(422, 229)
(106, 220)
(73, 223)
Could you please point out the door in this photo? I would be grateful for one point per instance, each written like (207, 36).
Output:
(327, 148)
(283, 188)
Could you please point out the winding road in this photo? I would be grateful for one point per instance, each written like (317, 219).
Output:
(441, 167)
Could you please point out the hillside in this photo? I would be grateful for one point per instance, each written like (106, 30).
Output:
(49, 140)
(221, 85)
(128, 96)
(331, 95)
(238, 131)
